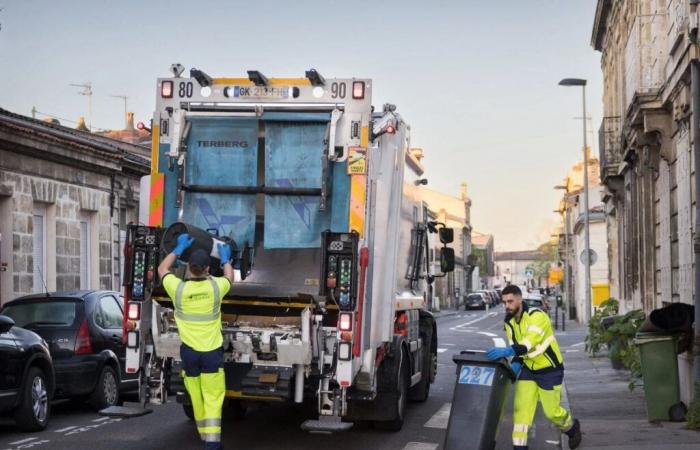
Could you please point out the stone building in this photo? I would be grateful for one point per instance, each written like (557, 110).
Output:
(483, 251)
(514, 267)
(65, 194)
(454, 211)
(646, 150)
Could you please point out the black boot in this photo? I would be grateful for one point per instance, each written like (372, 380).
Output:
(574, 434)
(520, 447)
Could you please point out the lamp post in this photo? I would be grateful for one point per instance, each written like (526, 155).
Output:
(587, 240)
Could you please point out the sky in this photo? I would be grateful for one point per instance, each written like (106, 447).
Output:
(475, 79)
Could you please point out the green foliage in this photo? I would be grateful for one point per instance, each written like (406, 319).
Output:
(598, 336)
(622, 333)
(694, 410)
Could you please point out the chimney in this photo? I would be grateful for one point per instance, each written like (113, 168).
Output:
(129, 121)
(417, 153)
(81, 124)
(463, 190)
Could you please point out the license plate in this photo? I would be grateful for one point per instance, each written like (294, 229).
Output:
(261, 91)
(476, 375)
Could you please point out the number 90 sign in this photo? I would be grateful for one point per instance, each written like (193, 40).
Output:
(476, 375)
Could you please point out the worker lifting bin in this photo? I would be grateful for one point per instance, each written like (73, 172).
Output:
(660, 374)
(480, 393)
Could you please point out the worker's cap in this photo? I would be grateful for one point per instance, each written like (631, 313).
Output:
(200, 258)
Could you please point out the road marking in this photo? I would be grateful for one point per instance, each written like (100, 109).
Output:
(449, 345)
(578, 344)
(101, 419)
(441, 350)
(440, 418)
(420, 446)
(63, 430)
(552, 442)
(486, 333)
(499, 342)
(572, 350)
(23, 441)
(478, 319)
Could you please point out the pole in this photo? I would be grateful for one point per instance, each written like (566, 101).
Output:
(695, 88)
(587, 314)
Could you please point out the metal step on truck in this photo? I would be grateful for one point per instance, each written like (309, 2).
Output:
(320, 196)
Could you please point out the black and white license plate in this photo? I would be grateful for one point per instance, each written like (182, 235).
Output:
(261, 91)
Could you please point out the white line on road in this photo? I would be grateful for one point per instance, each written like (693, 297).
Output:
(572, 350)
(420, 446)
(63, 430)
(499, 342)
(101, 419)
(478, 319)
(552, 442)
(578, 344)
(449, 345)
(440, 418)
(23, 441)
(442, 350)
(486, 333)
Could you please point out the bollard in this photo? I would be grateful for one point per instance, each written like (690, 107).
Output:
(556, 317)
(563, 320)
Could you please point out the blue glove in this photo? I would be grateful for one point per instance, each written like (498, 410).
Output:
(495, 353)
(224, 253)
(183, 243)
(515, 367)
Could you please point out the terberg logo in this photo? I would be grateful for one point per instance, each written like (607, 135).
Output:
(230, 144)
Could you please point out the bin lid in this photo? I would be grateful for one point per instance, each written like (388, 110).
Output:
(479, 357)
(645, 337)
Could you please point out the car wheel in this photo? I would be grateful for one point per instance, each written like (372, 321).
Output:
(34, 411)
(106, 392)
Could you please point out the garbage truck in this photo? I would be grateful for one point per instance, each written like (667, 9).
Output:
(319, 195)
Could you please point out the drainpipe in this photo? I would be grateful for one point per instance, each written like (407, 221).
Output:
(695, 89)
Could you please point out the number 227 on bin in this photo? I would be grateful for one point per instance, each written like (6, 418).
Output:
(476, 375)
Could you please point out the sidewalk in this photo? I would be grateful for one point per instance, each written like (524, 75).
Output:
(611, 416)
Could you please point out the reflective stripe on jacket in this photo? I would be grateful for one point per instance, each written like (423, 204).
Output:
(533, 340)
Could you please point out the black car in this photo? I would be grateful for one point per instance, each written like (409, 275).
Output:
(476, 300)
(84, 332)
(26, 376)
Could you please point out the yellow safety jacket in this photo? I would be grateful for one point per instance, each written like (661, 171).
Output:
(533, 340)
(198, 309)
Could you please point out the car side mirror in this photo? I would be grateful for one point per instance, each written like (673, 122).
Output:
(447, 235)
(6, 324)
(447, 259)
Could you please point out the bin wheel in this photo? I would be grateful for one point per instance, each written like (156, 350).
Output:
(677, 412)
(421, 391)
(401, 393)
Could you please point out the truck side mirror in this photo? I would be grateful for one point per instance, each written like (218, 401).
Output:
(6, 324)
(447, 235)
(447, 259)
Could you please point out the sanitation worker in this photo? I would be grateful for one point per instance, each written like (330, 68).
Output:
(539, 366)
(198, 316)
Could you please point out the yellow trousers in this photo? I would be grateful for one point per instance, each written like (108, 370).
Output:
(527, 393)
(207, 392)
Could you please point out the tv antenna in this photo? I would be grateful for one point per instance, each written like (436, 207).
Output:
(87, 91)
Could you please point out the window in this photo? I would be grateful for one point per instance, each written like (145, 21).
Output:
(108, 314)
(43, 313)
(39, 248)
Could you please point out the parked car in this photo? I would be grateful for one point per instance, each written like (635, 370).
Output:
(490, 296)
(26, 376)
(83, 330)
(476, 300)
(536, 301)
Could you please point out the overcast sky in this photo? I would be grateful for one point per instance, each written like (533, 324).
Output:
(477, 80)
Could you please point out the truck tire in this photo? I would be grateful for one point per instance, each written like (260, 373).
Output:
(106, 392)
(34, 409)
(421, 391)
(401, 391)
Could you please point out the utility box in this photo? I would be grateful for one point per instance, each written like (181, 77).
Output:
(480, 393)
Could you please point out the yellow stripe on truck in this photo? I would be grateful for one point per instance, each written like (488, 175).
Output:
(358, 196)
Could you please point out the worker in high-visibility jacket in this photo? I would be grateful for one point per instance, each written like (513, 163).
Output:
(539, 366)
(197, 304)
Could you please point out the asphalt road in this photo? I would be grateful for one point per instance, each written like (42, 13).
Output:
(75, 426)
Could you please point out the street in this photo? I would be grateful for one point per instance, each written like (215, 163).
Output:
(77, 426)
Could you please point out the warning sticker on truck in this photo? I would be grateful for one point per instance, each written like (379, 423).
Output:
(357, 161)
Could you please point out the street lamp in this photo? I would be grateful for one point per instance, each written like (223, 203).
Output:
(587, 240)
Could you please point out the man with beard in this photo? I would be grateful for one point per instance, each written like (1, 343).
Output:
(539, 366)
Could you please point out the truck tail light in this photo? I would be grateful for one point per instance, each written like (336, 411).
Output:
(134, 311)
(166, 89)
(83, 343)
(358, 90)
(345, 322)
(401, 324)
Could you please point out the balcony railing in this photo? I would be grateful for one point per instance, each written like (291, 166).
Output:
(610, 145)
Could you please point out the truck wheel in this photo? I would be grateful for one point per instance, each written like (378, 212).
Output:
(34, 411)
(189, 412)
(106, 392)
(401, 393)
(421, 391)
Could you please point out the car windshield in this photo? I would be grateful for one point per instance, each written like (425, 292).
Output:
(42, 313)
(474, 297)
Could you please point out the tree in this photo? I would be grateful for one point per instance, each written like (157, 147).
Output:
(547, 256)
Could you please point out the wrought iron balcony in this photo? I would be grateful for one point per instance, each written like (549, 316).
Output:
(610, 146)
